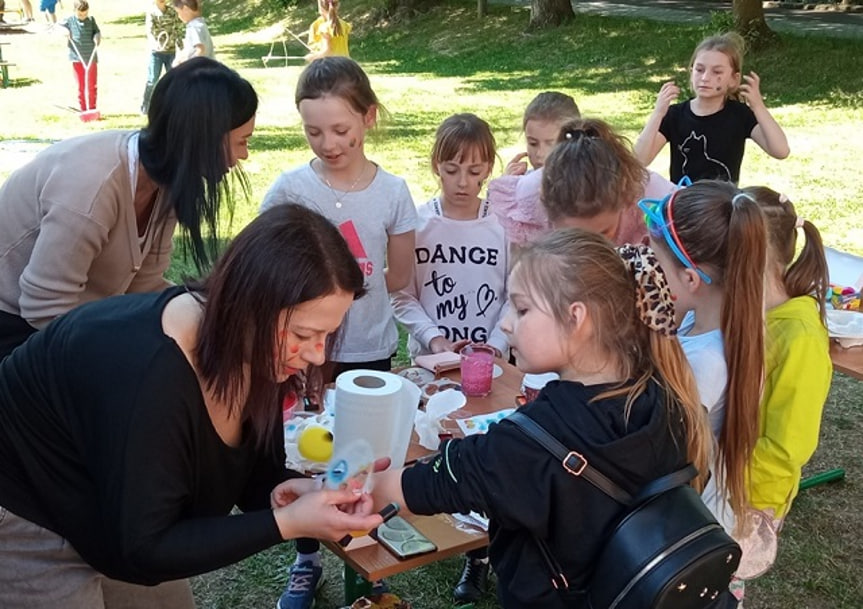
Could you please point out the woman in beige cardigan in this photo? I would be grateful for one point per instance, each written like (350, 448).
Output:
(94, 216)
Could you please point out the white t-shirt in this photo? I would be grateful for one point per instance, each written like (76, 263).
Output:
(366, 219)
(197, 33)
(706, 355)
(460, 277)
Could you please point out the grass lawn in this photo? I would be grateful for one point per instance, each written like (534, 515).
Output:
(447, 61)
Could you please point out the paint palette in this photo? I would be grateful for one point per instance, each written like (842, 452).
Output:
(480, 423)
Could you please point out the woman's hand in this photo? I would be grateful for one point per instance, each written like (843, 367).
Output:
(325, 514)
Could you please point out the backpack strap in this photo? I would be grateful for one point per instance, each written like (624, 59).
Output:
(577, 465)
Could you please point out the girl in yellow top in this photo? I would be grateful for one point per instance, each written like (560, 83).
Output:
(328, 34)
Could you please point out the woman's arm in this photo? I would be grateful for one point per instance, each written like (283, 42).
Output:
(767, 133)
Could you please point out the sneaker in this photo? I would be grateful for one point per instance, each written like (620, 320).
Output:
(473, 582)
(306, 579)
(379, 587)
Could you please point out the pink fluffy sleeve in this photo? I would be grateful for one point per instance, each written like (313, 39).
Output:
(515, 200)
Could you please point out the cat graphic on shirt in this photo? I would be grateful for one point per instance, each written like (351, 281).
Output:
(694, 150)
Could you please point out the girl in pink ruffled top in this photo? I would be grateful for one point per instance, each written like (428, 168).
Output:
(591, 180)
(515, 196)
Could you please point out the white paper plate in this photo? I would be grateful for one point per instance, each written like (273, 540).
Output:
(845, 324)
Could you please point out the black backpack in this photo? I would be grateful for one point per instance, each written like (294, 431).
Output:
(667, 552)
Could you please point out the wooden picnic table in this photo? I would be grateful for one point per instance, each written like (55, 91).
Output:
(367, 562)
(847, 361)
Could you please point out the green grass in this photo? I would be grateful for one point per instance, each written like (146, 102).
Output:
(447, 61)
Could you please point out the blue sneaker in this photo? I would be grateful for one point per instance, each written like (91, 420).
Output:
(306, 579)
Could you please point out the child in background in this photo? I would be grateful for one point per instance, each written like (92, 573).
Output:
(458, 291)
(710, 239)
(708, 132)
(164, 32)
(603, 319)
(515, 196)
(328, 34)
(84, 35)
(49, 8)
(374, 212)
(593, 181)
(197, 41)
(798, 369)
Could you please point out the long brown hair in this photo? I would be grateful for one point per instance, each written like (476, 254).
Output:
(331, 9)
(723, 231)
(286, 256)
(572, 265)
(591, 170)
(808, 274)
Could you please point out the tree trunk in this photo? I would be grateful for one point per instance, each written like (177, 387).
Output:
(549, 13)
(481, 8)
(750, 23)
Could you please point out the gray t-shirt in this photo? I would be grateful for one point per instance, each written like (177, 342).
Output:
(366, 219)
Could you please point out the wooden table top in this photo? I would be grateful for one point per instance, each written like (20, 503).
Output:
(374, 561)
(847, 361)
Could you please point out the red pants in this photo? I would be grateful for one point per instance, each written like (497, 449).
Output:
(91, 85)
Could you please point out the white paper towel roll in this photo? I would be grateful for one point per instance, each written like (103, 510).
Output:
(378, 407)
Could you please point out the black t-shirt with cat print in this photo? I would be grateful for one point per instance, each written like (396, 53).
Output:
(707, 147)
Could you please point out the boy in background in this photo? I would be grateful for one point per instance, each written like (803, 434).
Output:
(84, 35)
(197, 42)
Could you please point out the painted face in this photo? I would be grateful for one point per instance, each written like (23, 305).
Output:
(541, 137)
(335, 131)
(605, 223)
(238, 142)
(712, 75)
(462, 178)
(532, 330)
(300, 341)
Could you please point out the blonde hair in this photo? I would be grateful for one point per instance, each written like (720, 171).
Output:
(459, 134)
(551, 106)
(572, 265)
(331, 9)
(807, 275)
(730, 44)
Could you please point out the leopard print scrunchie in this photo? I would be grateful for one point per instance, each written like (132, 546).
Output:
(653, 296)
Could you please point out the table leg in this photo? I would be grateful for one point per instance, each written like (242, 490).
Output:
(355, 585)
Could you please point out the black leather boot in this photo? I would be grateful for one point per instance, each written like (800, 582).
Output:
(473, 582)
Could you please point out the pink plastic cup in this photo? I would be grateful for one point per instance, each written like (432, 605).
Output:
(477, 369)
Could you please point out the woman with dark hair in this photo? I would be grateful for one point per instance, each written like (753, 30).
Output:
(94, 216)
(130, 427)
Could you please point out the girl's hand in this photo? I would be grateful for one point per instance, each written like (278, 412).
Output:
(326, 514)
(667, 94)
(439, 344)
(751, 90)
(517, 167)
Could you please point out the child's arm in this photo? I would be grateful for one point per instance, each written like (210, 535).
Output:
(517, 166)
(767, 133)
(411, 314)
(650, 141)
(400, 260)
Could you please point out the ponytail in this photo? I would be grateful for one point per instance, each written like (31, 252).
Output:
(743, 334)
(808, 275)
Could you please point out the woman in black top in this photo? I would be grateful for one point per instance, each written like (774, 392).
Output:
(131, 427)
